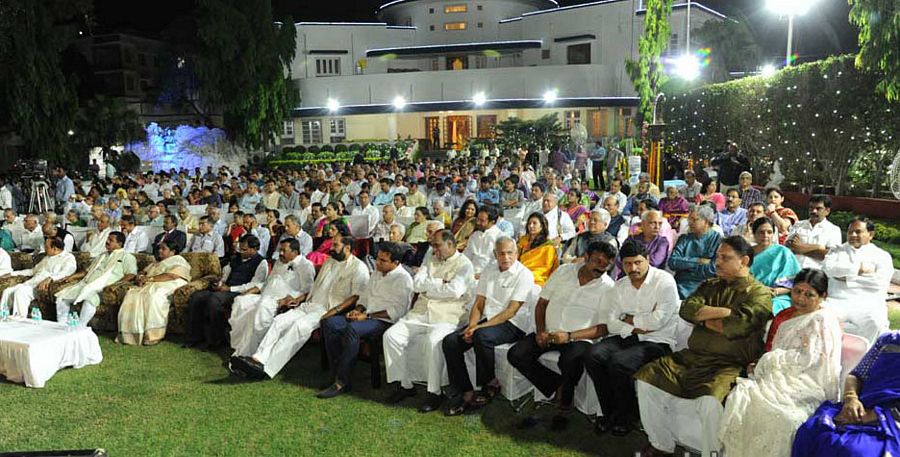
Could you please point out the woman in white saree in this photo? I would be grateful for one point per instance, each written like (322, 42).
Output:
(145, 308)
(789, 382)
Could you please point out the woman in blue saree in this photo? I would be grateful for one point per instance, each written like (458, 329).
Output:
(866, 423)
(773, 264)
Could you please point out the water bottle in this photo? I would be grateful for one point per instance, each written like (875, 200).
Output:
(36, 314)
(74, 320)
(4, 312)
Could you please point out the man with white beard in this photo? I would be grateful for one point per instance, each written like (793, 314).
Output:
(252, 313)
(55, 266)
(340, 282)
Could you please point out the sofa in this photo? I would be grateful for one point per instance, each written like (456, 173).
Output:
(205, 270)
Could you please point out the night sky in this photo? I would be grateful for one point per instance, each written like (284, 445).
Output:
(822, 32)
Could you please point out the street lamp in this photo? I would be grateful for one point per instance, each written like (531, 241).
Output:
(789, 8)
(767, 70)
(333, 105)
(399, 102)
(550, 96)
(479, 99)
(687, 67)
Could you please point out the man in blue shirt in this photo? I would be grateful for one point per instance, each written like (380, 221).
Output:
(733, 215)
(65, 188)
(598, 163)
(487, 193)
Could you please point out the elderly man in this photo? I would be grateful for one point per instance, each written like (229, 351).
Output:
(135, 240)
(251, 225)
(734, 215)
(95, 240)
(206, 240)
(570, 313)
(597, 224)
(58, 264)
(170, 232)
(187, 220)
(365, 208)
(729, 314)
(115, 265)
(692, 260)
(292, 230)
(558, 221)
(480, 249)
(642, 321)
(615, 190)
(445, 284)
(219, 225)
(652, 188)
(338, 286)
(382, 230)
(30, 237)
(496, 318)
(691, 187)
(205, 318)
(655, 245)
(154, 218)
(859, 274)
(253, 311)
(290, 198)
(385, 300)
(618, 224)
(51, 230)
(749, 194)
(811, 239)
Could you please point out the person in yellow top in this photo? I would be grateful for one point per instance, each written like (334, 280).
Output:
(536, 251)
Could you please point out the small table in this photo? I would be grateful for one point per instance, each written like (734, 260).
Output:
(32, 352)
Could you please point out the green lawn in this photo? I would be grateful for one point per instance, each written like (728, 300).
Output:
(165, 400)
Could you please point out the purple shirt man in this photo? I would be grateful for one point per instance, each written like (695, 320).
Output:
(657, 246)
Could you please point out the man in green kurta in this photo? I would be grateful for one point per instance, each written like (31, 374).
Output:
(729, 313)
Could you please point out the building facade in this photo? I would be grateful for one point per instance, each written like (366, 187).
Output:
(446, 71)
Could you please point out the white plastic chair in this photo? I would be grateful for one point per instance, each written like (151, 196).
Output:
(853, 348)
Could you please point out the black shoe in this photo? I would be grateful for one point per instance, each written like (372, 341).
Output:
(620, 429)
(433, 403)
(333, 391)
(602, 425)
(559, 423)
(401, 394)
(528, 423)
(457, 406)
(190, 344)
(251, 368)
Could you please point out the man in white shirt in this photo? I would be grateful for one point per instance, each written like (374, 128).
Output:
(95, 241)
(30, 237)
(445, 284)
(136, 241)
(482, 243)
(251, 225)
(292, 230)
(338, 286)
(497, 318)
(206, 315)
(615, 190)
(385, 300)
(366, 209)
(382, 231)
(558, 221)
(205, 240)
(58, 264)
(536, 203)
(811, 239)
(570, 313)
(859, 274)
(642, 322)
(219, 224)
(401, 208)
(252, 314)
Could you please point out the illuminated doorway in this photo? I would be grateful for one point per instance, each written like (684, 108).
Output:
(457, 132)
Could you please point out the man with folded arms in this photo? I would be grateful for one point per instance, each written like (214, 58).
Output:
(642, 322)
(95, 240)
(339, 284)
(385, 300)
(495, 319)
(58, 264)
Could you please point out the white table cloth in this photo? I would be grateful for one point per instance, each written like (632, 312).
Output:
(31, 353)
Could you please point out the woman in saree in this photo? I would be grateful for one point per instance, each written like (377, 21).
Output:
(464, 224)
(867, 422)
(332, 214)
(576, 210)
(415, 234)
(145, 309)
(773, 264)
(709, 191)
(536, 252)
(801, 370)
(320, 254)
(783, 217)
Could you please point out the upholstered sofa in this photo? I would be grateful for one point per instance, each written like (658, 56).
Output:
(205, 269)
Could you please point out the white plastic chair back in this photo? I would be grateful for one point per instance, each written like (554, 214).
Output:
(853, 348)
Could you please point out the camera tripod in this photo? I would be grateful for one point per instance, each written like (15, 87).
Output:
(39, 201)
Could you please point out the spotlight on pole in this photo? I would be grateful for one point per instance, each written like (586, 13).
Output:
(687, 67)
(479, 99)
(333, 105)
(551, 96)
(399, 102)
(767, 70)
(71, 132)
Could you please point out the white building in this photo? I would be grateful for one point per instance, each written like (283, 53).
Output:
(454, 68)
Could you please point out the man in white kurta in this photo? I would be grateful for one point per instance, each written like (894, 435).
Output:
(29, 237)
(111, 267)
(252, 313)
(558, 221)
(339, 284)
(445, 284)
(136, 241)
(859, 274)
(95, 241)
(480, 248)
(811, 239)
(55, 266)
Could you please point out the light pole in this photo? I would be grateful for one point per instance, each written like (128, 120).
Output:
(789, 8)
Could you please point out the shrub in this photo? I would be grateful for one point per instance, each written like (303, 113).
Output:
(314, 148)
(328, 148)
(340, 148)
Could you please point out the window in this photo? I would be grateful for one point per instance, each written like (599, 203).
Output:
(142, 59)
(672, 48)
(431, 27)
(457, 62)
(572, 118)
(430, 10)
(456, 9)
(129, 83)
(287, 128)
(338, 129)
(481, 25)
(545, 54)
(480, 8)
(328, 67)
(311, 131)
(435, 64)
(455, 25)
(578, 54)
(486, 126)
(480, 61)
(600, 122)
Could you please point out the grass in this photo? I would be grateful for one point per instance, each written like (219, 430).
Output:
(164, 400)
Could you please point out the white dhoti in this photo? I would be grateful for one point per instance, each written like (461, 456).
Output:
(863, 317)
(415, 328)
(288, 333)
(251, 317)
(21, 296)
(68, 296)
(691, 422)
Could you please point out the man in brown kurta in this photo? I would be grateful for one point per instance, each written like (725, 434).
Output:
(729, 313)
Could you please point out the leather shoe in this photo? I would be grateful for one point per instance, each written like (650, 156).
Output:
(333, 391)
(401, 394)
(651, 451)
(457, 406)
(602, 425)
(433, 403)
(620, 429)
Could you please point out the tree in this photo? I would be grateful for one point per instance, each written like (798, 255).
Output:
(542, 132)
(734, 47)
(37, 99)
(879, 42)
(647, 72)
(236, 58)
(104, 122)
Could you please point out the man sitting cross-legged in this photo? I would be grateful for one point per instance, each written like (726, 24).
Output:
(339, 284)
(385, 300)
(495, 319)
(56, 265)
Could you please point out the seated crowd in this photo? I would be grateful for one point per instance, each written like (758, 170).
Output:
(711, 321)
